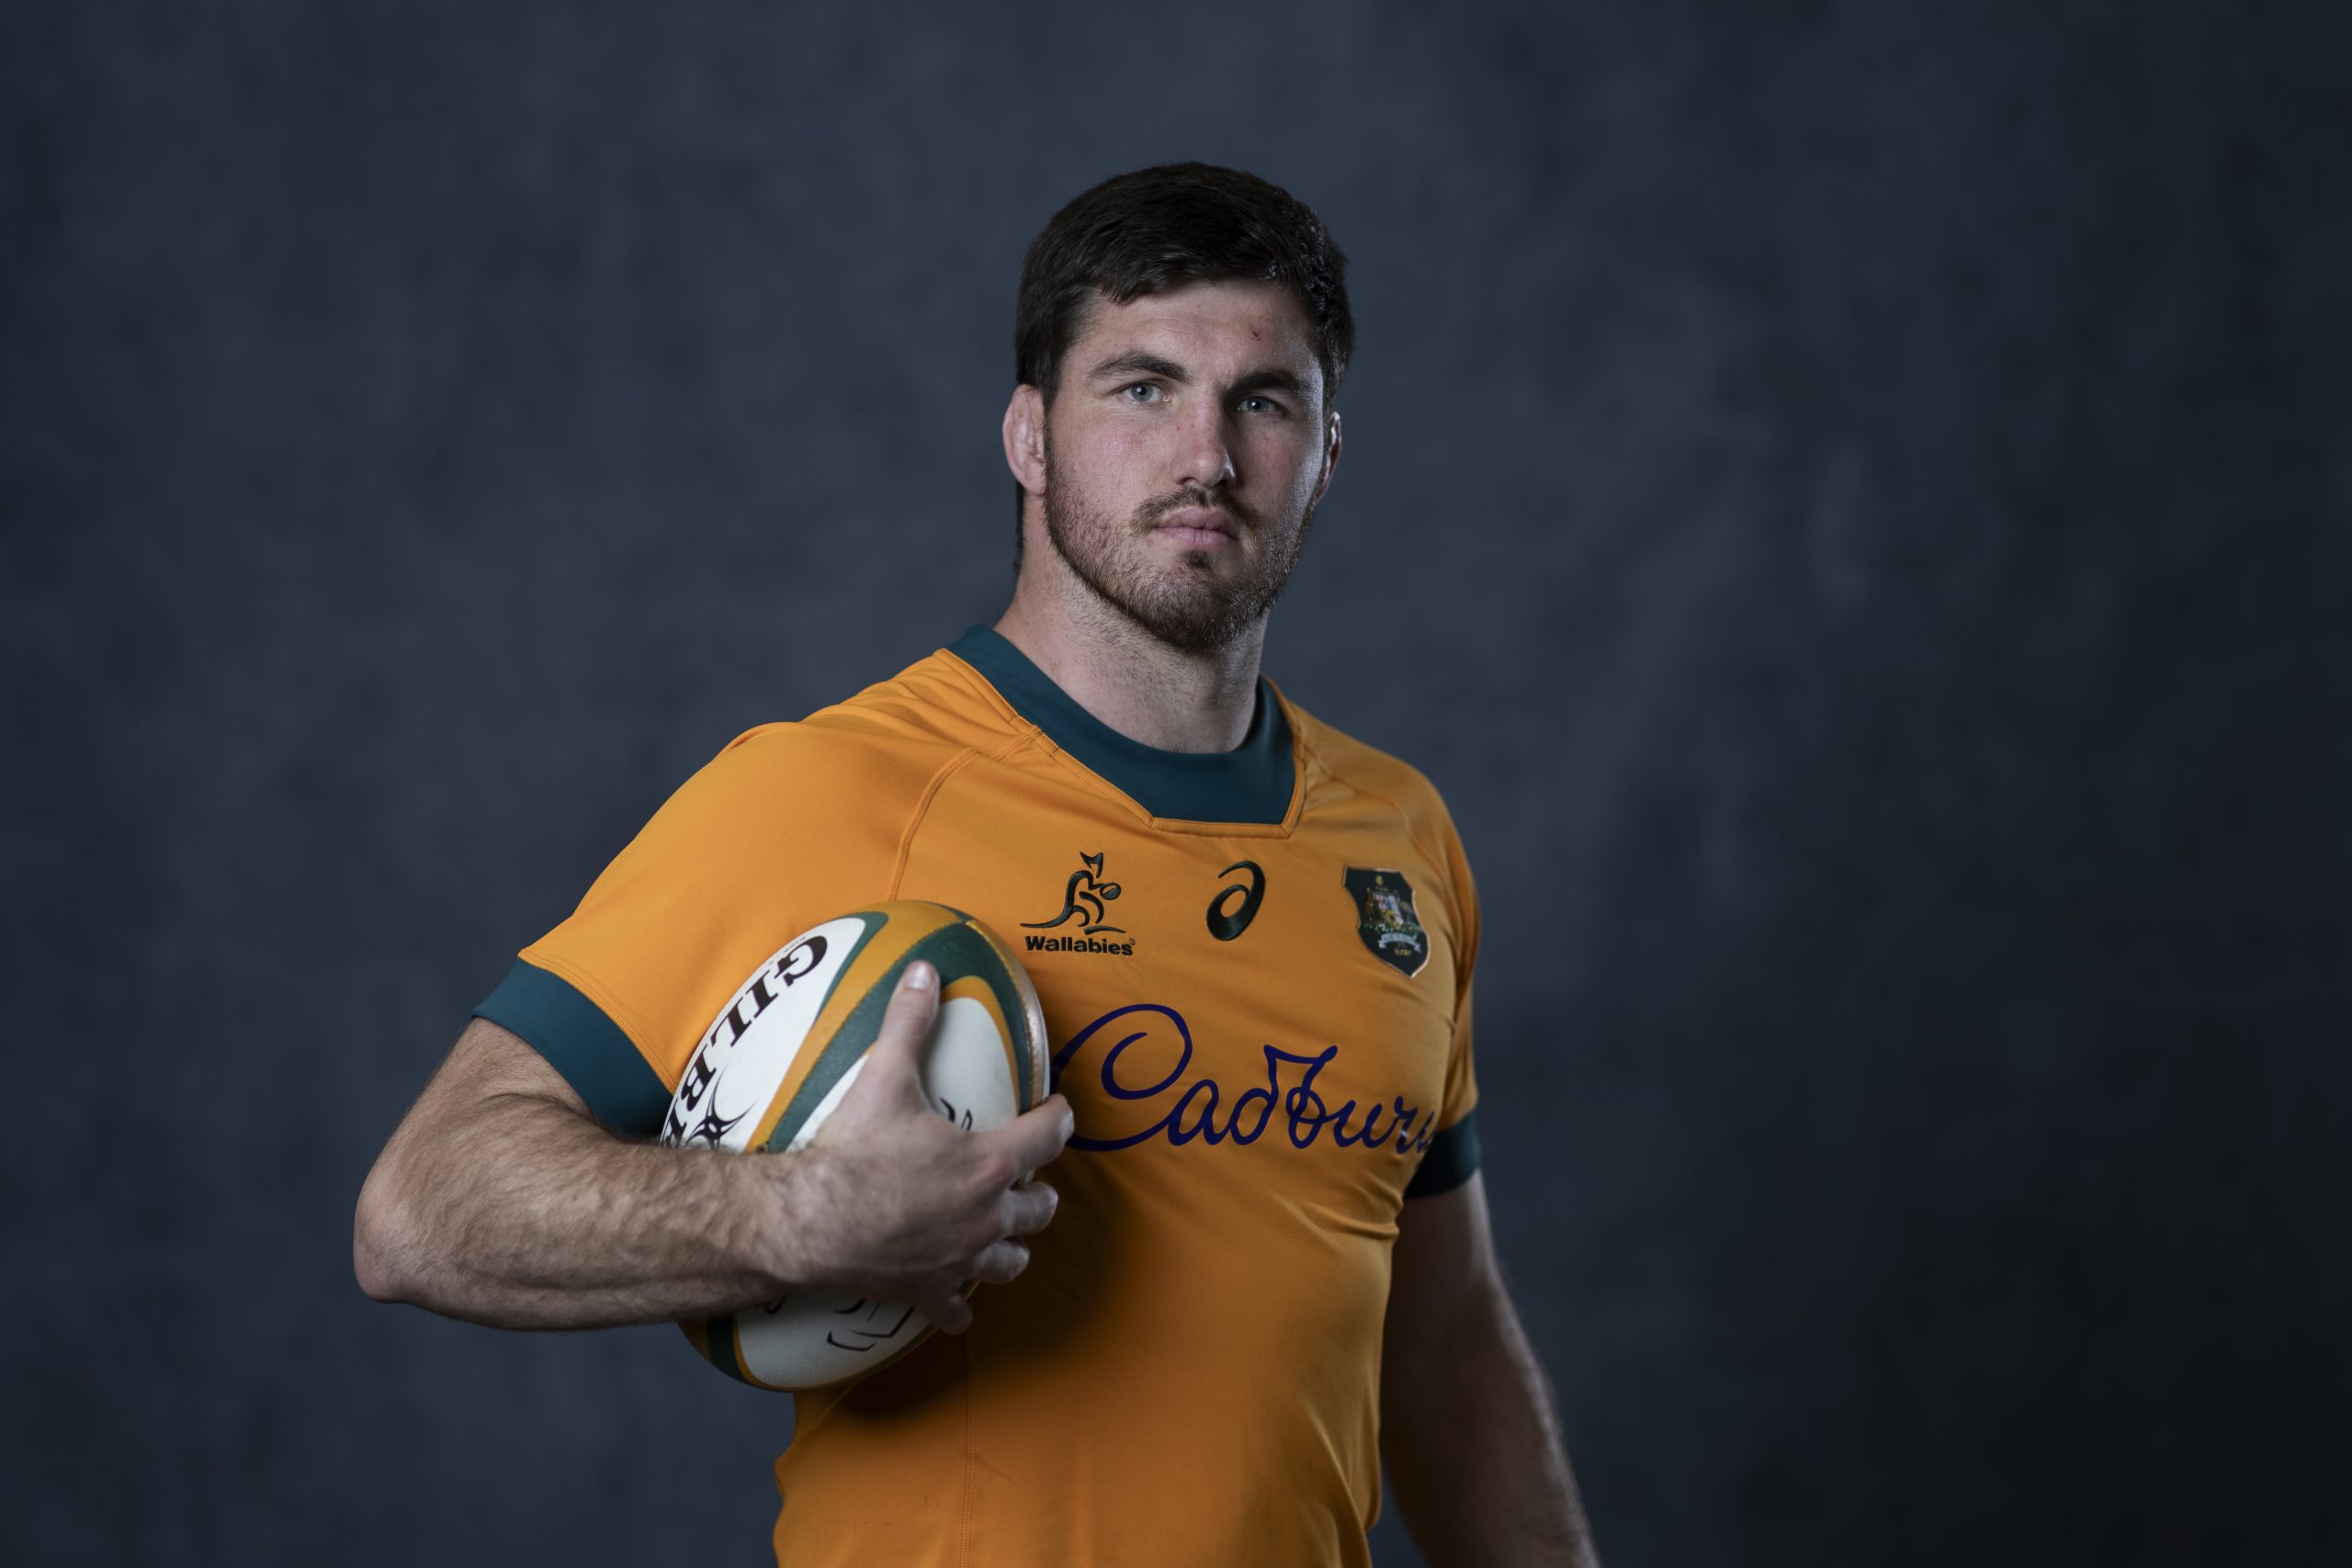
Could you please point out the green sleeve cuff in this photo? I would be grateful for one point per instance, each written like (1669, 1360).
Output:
(602, 1065)
(1450, 1160)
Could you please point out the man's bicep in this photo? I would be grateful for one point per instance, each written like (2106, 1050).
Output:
(1442, 1263)
(488, 1062)
(435, 1150)
(490, 1059)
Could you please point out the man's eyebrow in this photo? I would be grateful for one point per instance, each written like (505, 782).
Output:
(1139, 363)
(1271, 380)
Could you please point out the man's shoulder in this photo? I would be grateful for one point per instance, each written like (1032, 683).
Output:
(918, 719)
(872, 753)
(1340, 761)
(936, 703)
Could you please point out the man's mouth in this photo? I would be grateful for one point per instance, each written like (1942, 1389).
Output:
(1199, 527)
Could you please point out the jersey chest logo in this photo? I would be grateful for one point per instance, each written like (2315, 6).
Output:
(1138, 1103)
(1236, 904)
(1386, 918)
(1086, 898)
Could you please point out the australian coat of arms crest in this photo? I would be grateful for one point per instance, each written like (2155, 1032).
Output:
(1386, 920)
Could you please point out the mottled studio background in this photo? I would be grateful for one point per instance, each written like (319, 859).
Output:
(1851, 501)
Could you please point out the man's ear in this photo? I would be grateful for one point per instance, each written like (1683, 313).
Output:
(1330, 457)
(1024, 438)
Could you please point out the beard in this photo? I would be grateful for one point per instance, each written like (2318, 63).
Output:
(1190, 607)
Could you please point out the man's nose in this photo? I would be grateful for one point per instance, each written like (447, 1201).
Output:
(1204, 455)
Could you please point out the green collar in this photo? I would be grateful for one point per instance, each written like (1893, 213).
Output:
(1250, 783)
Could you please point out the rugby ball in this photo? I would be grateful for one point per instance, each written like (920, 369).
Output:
(780, 1057)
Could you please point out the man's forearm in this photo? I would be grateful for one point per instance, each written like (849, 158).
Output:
(520, 1213)
(1472, 1450)
(501, 1199)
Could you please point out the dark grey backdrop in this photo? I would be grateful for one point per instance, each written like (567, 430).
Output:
(1849, 501)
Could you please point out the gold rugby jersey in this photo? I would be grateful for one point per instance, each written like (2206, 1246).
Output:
(1255, 967)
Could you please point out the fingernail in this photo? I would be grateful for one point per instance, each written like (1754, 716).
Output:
(920, 976)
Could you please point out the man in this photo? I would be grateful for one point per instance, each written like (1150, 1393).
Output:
(1254, 939)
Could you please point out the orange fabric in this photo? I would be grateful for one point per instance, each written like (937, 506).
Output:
(1188, 1372)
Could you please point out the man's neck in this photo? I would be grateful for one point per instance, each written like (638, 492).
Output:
(1138, 685)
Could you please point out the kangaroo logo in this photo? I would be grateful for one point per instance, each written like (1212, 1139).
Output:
(1084, 899)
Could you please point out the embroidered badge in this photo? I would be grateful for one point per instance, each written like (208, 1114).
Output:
(1386, 918)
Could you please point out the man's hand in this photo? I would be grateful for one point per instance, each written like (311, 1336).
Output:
(896, 1203)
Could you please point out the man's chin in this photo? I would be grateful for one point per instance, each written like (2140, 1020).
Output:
(1195, 623)
(1196, 600)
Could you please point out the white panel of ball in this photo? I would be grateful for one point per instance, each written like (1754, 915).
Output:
(811, 1337)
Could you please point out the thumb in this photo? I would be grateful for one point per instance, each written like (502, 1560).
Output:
(895, 1055)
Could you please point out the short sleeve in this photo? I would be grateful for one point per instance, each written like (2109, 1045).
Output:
(1453, 1154)
(784, 829)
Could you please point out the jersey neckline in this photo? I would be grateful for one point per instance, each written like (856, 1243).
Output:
(1250, 783)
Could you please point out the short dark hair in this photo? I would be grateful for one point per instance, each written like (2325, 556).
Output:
(1159, 229)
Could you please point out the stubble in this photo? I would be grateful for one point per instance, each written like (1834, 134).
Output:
(1189, 607)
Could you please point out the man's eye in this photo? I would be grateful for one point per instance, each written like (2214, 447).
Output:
(1142, 392)
(1261, 405)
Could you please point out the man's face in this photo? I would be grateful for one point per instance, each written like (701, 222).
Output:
(1185, 451)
